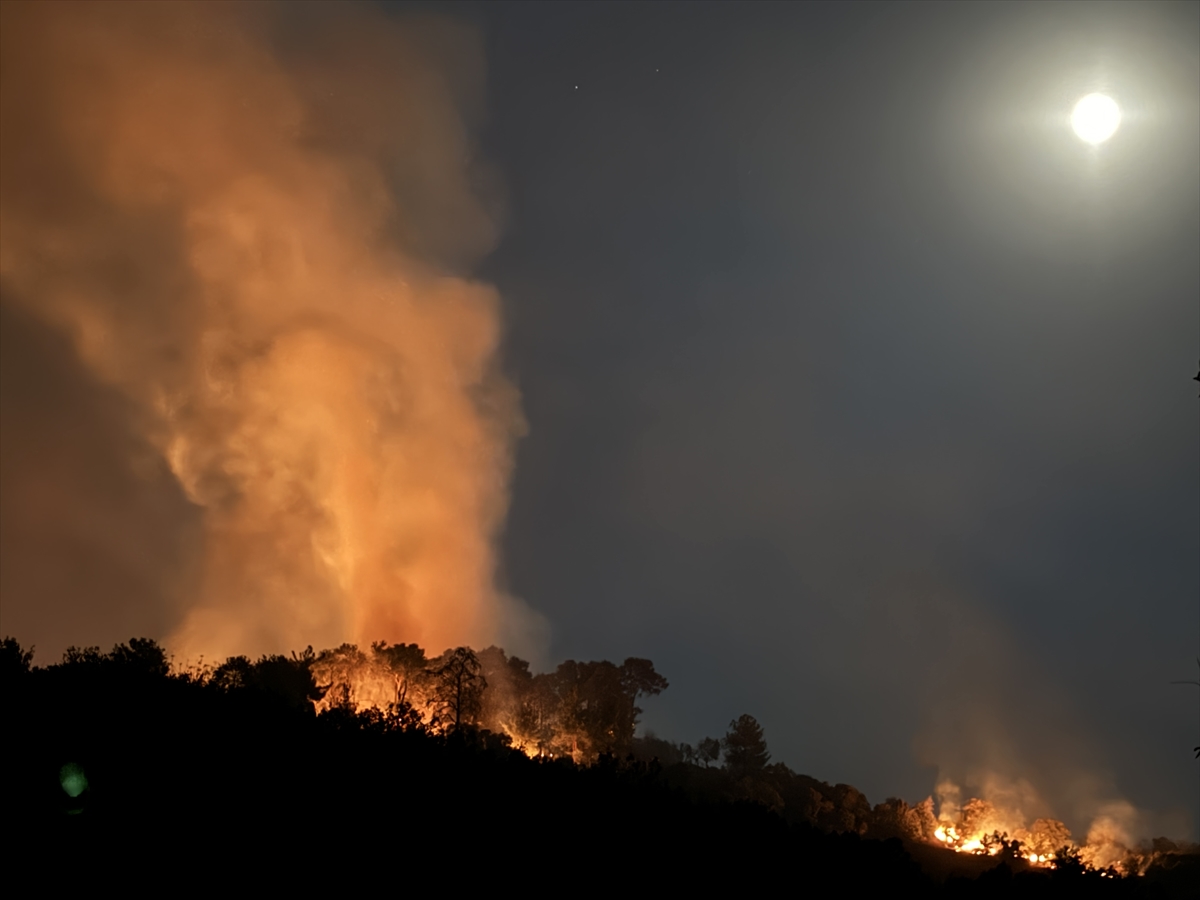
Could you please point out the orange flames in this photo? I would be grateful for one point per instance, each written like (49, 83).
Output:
(580, 710)
(999, 826)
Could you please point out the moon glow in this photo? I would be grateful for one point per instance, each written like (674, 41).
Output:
(1095, 118)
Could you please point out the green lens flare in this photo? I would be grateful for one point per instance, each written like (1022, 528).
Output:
(73, 781)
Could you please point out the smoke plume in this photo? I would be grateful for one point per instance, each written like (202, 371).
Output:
(251, 225)
(998, 729)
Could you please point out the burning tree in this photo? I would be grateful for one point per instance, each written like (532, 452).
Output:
(1047, 838)
(895, 818)
(580, 710)
(598, 711)
(457, 688)
(390, 678)
(405, 663)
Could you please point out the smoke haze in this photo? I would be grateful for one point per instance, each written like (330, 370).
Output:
(229, 251)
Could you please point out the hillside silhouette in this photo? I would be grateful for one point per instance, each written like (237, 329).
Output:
(121, 771)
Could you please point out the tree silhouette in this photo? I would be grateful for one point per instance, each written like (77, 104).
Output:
(288, 680)
(142, 655)
(639, 679)
(745, 748)
(14, 662)
(458, 686)
(405, 662)
(538, 712)
(597, 709)
(708, 751)
(338, 672)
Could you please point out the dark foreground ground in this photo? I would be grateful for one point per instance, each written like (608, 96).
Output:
(189, 787)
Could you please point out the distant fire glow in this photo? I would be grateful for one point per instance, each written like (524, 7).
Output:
(583, 710)
(999, 827)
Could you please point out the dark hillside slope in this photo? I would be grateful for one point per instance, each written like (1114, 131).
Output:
(118, 773)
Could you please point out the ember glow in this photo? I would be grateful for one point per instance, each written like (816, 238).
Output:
(983, 827)
(258, 253)
(579, 711)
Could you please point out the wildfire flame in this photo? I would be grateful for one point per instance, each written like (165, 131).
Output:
(546, 716)
(360, 682)
(578, 711)
(982, 828)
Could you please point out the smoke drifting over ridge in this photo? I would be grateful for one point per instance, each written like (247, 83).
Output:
(245, 223)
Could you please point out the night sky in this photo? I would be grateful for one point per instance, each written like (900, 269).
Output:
(856, 385)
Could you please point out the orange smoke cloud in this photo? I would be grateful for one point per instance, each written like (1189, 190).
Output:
(247, 222)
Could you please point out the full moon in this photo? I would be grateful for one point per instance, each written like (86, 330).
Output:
(1095, 118)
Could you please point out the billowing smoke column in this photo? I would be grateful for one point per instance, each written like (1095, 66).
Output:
(247, 220)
